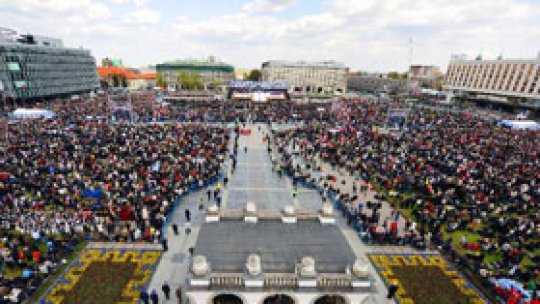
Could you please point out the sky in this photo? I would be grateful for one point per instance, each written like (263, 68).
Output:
(366, 35)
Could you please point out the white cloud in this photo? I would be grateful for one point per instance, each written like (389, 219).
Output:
(141, 16)
(137, 3)
(266, 6)
(365, 34)
(86, 8)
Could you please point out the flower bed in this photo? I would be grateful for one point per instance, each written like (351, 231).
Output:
(425, 279)
(104, 276)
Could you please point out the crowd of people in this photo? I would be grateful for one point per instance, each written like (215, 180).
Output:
(84, 176)
(76, 178)
(452, 171)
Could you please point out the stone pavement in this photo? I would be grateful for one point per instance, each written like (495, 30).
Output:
(252, 180)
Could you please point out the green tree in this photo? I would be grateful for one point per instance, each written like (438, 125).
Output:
(160, 80)
(123, 81)
(216, 83)
(115, 81)
(189, 81)
(394, 75)
(254, 75)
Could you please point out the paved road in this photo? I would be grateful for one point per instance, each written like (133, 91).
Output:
(253, 180)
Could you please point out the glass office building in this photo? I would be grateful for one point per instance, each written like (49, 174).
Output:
(33, 67)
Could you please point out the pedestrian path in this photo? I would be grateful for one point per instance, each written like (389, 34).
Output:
(253, 180)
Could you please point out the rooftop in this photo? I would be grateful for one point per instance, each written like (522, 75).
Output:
(301, 63)
(209, 63)
(106, 72)
(227, 244)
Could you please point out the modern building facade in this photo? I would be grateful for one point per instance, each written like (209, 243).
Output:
(210, 72)
(514, 82)
(310, 78)
(36, 67)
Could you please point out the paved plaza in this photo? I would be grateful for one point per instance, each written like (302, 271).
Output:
(253, 180)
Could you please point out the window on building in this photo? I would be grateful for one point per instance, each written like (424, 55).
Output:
(13, 66)
(19, 84)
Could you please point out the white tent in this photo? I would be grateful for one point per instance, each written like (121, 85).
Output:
(520, 124)
(23, 113)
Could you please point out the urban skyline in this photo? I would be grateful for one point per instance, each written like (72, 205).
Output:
(365, 35)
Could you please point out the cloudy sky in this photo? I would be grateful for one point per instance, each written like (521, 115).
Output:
(369, 35)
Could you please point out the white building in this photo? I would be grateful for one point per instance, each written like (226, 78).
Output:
(509, 81)
(311, 78)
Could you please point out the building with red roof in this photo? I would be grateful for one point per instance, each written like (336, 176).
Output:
(113, 76)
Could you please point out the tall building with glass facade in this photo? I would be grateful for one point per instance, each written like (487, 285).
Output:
(35, 67)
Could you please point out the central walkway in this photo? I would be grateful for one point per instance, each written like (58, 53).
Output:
(253, 180)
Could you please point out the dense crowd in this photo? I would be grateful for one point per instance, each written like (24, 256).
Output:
(85, 176)
(453, 172)
(72, 178)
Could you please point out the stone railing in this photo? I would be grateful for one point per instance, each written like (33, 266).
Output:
(226, 280)
(281, 280)
(334, 281)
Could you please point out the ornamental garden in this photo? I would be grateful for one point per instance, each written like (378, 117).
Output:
(102, 275)
(425, 279)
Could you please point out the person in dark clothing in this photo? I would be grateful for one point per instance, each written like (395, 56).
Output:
(179, 294)
(144, 297)
(392, 289)
(218, 201)
(154, 297)
(166, 290)
(165, 245)
(175, 229)
(188, 215)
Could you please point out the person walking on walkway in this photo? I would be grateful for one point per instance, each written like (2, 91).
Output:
(188, 215)
(188, 228)
(175, 229)
(201, 203)
(165, 244)
(144, 298)
(166, 290)
(154, 297)
(218, 201)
